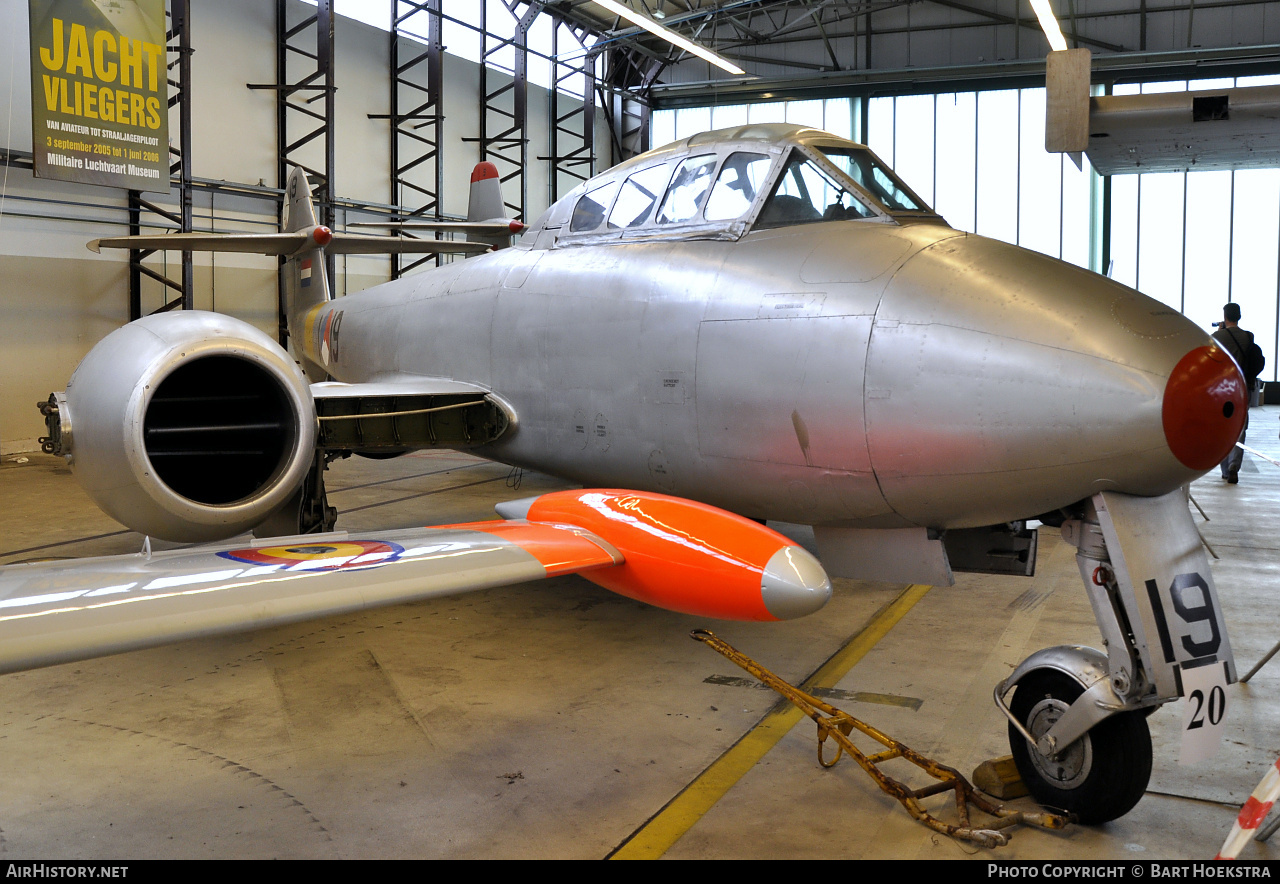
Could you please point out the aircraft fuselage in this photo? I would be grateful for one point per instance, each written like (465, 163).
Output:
(850, 373)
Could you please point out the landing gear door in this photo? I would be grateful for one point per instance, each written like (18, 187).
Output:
(1166, 587)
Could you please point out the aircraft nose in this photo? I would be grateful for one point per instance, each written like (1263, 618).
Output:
(1204, 407)
(794, 584)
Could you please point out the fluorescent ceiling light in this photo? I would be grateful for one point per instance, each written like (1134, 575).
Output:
(1049, 22)
(671, 36)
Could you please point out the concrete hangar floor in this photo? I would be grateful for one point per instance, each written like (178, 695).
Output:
(557, 720)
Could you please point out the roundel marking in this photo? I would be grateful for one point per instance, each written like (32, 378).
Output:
(334, 556)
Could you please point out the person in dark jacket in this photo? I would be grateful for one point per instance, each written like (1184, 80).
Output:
(1239, 343)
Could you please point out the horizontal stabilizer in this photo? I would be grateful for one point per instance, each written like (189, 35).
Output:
(484, 228)
(360, 244)
(288, 244)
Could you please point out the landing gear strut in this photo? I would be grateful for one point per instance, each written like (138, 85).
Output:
(1077, 721)
(307, 510)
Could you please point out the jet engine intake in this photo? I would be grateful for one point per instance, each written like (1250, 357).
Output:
(189, 426)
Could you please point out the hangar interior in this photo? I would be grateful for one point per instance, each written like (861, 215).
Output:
(556, 719)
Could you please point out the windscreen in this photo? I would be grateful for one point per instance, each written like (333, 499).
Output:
(874, 177)
(805, 194)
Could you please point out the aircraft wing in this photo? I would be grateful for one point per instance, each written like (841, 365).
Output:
(398, 385)
(72, 610)
(399, 412)
(670, 552)
(286, 244)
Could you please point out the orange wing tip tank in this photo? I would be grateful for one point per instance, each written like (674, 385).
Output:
(686, 556)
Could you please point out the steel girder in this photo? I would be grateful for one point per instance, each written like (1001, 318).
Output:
(178, 45)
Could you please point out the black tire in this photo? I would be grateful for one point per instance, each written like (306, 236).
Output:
(1098, 778)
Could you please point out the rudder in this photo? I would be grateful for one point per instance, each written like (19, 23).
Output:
(305, 277)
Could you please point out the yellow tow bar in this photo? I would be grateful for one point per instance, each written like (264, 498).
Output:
(838, 725)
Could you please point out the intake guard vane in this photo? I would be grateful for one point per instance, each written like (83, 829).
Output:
(838, 725)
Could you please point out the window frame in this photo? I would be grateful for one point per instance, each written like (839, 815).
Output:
(602, 224)
(696, 227)
(814, 149)
(673, 163)
(718, 157)
(757, 200)
(879, 215)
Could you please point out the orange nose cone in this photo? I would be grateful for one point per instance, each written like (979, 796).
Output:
(1204, 407)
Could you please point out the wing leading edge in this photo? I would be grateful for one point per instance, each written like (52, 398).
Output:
(725, 567)
(59, 612)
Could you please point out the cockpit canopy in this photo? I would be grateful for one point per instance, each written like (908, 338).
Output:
(722, 184)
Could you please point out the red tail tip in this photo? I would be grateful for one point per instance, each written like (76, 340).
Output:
(322, 235)
(516, 226)
(483, 172)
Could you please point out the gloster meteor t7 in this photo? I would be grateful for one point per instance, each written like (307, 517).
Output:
(765, 320)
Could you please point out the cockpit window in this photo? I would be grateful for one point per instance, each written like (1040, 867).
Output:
(740, 180)
(805, 194)
(878, 179)
(688, 188)
(589, 211)
(638, 196)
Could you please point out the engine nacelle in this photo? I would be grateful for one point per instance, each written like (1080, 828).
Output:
(189, 426)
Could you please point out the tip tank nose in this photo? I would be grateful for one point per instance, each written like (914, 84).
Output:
(794, 584)
(1205, 403)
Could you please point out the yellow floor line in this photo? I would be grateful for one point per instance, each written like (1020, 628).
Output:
(656, 837)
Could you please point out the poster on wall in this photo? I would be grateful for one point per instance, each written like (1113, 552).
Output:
(99, 92)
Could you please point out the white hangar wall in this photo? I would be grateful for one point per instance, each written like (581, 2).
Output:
(58, 299)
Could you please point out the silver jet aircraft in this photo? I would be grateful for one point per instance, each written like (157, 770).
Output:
(764, 319)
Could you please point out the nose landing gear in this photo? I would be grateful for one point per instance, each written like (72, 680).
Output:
(1100, 776)
(1077, 721)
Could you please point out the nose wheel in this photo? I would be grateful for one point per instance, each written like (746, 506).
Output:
(1100, 776)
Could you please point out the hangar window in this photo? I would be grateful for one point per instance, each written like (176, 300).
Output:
(688, 189)
(638, 196)
(741, 178)
(805, 194)
(877, 178)
(591, 208)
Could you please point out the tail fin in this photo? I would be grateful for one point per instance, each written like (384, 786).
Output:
(306, 282)
(485, 204)
(304, 246)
